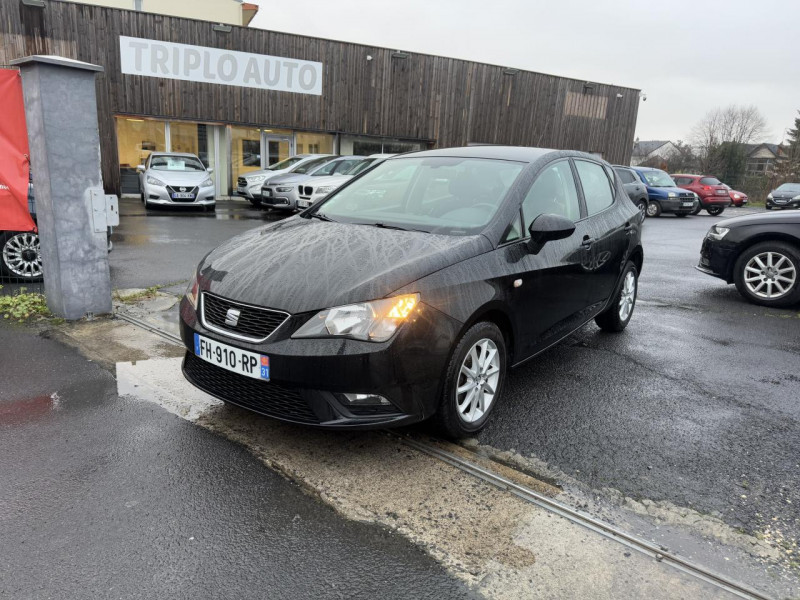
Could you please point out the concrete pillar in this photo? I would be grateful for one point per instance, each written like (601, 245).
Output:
(61, 113)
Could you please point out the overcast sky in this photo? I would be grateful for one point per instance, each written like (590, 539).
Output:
(687, 56)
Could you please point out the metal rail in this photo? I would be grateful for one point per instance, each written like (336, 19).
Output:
(609, 531)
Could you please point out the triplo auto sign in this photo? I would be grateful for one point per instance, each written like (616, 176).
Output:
(151, 58)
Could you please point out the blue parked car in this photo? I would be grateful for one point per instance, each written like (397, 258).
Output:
(663, 195)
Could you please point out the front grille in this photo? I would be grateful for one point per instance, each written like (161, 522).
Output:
(254, 323)
(263, 397)
(182, 189)
(241, 182)
(306, 190)
(687, 196)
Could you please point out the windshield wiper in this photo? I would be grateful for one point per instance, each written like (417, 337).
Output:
(385, 226)
(321, 217)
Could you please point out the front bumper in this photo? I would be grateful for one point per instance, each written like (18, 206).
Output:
(251, 191)
(156, 194)
(783, 204)
(306, 375)
(716, 259)
(712, 200)
(676, 205)
(270, 196)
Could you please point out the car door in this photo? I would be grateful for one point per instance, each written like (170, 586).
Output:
(547, 294)
(606, 231)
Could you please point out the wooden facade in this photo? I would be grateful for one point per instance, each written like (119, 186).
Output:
(442, 101)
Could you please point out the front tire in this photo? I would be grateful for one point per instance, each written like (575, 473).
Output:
(715, 210)
(653, 209)
(617, 316)
(697, 210)
(474, 380)
(769, 274)
(642, 206)
(21, 256)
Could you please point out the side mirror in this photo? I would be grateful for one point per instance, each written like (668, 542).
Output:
(140, 168)
(546, 228)
(210, 170)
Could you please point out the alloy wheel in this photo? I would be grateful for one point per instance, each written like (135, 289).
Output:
(652, 209)
(770, 275)
(627, 296)
(22, 255)
(478, 379)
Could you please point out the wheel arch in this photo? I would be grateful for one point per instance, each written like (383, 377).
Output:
(767, 236)
(637, 257)
(496, 313)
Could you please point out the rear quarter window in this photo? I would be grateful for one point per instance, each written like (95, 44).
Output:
(710, 181)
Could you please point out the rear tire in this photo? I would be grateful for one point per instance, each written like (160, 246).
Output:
(617, 316)
(785, 260)
(653, 209)
(715, 210)
(478, 366)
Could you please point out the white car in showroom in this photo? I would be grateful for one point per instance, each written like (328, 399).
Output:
(249, 184)
(318, 189)
(176, 178)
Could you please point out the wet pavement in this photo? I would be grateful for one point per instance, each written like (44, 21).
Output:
(697, 403)
(104, 496)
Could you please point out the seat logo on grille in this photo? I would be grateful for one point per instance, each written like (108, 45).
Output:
(232, 317)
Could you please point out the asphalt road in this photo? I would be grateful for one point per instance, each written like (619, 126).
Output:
(105, 497)
(696, 403)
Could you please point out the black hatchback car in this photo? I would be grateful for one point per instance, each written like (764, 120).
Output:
(412, 289)
(760, 253)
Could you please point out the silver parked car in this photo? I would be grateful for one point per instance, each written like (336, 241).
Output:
(176, 178)
(283, 192)
(249, 184)
(317, 189)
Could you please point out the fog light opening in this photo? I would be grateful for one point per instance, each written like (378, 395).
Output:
(363, 400)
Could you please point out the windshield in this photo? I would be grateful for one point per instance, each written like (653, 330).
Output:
(176, 163)
(658, 179)
(284, 164)
(359, 166)
(789, 187)
(710, 181)
(305, 167)
(451, 196)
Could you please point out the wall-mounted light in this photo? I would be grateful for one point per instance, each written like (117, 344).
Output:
(369, 56)
(510, 71)
(35, 3)
(222, 28)
(620, 96)
(400, 54)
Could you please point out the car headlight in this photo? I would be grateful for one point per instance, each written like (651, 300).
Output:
(736, 196)
(325, 189)
(769, 196)
(374, 321)
(796, 197)
(192, 292)
(717, 233)
(283, 189)
(256, 179)
(696, 197)
(207, 183)
(153, 181)
(672, 195)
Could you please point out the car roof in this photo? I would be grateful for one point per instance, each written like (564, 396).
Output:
(173, 154)
(690, 175)
(515, 153)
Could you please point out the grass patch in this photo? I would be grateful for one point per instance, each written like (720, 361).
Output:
(144, 294)
(24, 306)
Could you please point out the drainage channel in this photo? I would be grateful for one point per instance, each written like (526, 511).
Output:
(533, 497)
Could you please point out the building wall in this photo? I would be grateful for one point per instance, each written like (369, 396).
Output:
(216, 11)
(442, 101)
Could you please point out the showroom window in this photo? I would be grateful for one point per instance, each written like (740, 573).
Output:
(136, 139)
(245, 150)
(313, 143)
(364, 146)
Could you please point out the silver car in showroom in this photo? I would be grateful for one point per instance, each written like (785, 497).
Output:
(176, 178)
(248, 185)
(283, 193)
(317, 189)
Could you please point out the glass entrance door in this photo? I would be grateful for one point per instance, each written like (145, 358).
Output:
(276, 148)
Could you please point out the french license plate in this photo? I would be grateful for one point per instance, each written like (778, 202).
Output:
(688, 204)
(721, 192)
(304, 203)
(243, 362)
(182, 195)
(266, 192)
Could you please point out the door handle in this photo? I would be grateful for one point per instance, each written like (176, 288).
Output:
(587, 241)
(628, 226)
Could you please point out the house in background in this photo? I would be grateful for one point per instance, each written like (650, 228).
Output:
(229, 12)
(762, 158)
(652, 152)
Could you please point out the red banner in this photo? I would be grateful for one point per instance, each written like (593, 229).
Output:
(14, 213)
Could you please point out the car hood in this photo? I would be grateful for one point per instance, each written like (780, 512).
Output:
(180, 177)
(329, 180)
(776, 218)
(262, 172)
(667, 190)
(289, 178)
(299, 265)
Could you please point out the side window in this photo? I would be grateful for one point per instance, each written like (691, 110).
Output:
(553, 192)
(596, 187)
(625, 175)
(514, 231)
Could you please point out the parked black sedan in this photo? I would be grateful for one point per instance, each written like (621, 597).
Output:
(412, 289)
(786, 195)
(759, 253)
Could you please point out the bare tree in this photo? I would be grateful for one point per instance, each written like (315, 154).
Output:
(730, 128)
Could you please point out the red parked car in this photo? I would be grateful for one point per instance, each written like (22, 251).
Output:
(713, 194)
(738, 198)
